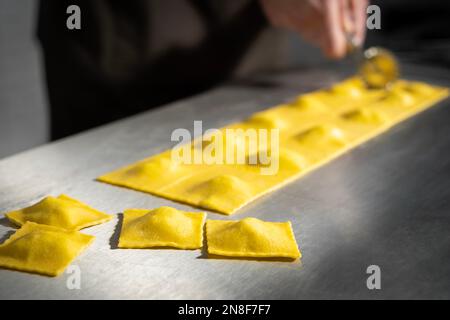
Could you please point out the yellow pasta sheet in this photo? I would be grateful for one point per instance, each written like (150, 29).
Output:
(162, 227)
(61, 211)
(42, 249)
(313, 129)
(251, 237)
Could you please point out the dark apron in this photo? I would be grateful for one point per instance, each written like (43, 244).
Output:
(131, 56)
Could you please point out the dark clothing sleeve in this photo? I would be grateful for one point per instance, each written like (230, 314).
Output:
(110, 68)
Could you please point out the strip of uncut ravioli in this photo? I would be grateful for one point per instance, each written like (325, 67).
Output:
(42, 249)
(251, 237)
(62, 211)
(314, 129)
(162, 227)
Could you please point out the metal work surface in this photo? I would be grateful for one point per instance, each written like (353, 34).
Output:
(385, 203)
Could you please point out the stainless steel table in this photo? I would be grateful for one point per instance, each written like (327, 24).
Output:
(385, 203)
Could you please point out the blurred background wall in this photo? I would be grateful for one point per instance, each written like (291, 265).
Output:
(23, 113)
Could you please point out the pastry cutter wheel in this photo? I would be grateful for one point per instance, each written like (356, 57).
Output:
(377, 67)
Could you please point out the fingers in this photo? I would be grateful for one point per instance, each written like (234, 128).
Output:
(358, 8)
(321, 22)
(335, 41)
(347, 18)
(341, 17)
(308, 23)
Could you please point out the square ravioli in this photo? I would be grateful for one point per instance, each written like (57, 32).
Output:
(252, 238)
(314, 129)
(42, 249)
(161, 227)
(62, 211)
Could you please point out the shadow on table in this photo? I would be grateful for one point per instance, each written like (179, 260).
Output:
(114, 240)
(6, 223)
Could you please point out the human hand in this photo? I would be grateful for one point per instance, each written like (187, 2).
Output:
(324, 23)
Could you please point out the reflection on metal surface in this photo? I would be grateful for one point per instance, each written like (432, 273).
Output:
(384, 203)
